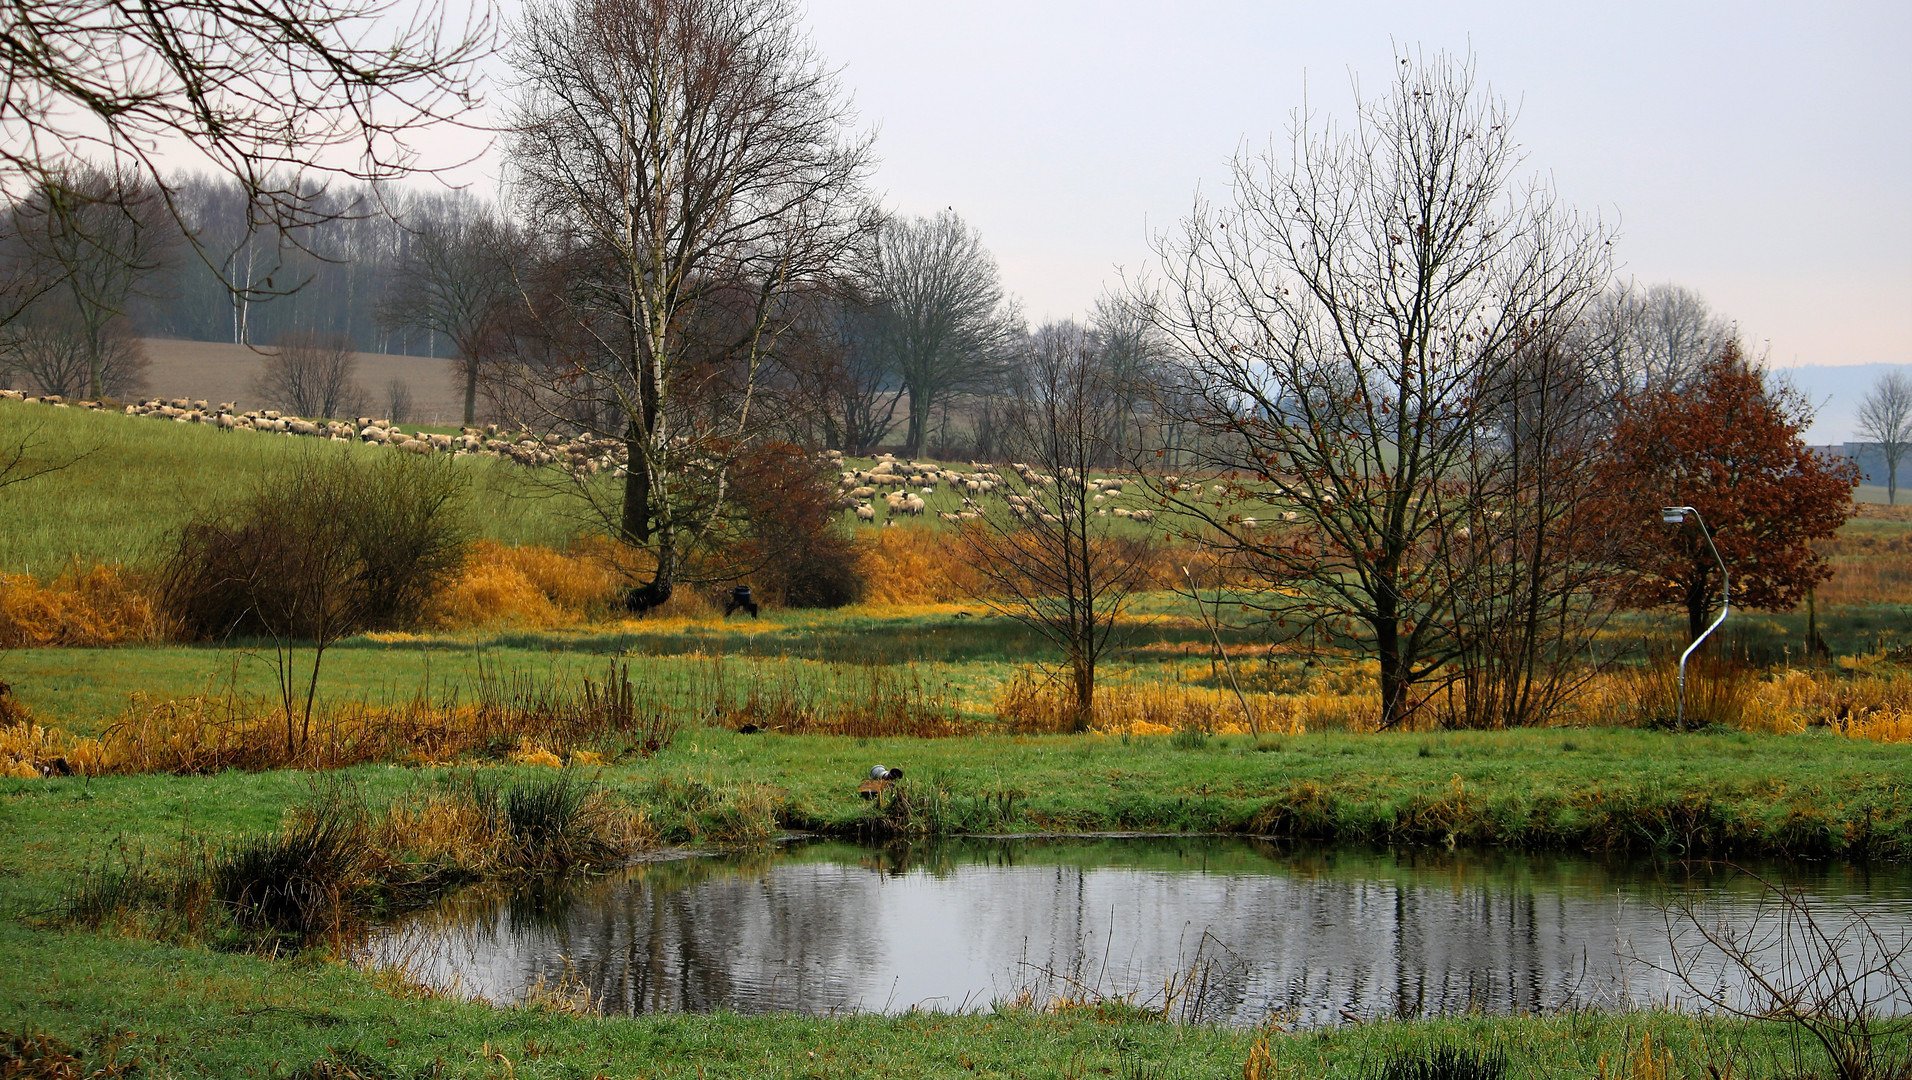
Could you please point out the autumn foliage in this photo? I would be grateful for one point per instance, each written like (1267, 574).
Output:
(1730, 446)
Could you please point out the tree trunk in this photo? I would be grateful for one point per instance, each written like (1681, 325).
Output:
(1084, 691)
(471, 390)
(1696, 594)
(635, 527)
(1393, 675)
(919, 424)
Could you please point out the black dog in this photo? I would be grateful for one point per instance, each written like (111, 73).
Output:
(740, 598)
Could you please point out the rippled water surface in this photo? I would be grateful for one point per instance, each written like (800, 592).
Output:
(1210, 928)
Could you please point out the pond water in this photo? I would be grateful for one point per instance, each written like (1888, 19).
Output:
(1208, 928)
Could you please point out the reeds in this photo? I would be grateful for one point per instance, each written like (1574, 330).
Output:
(1032, 705)
(543, 723)
(82, 606)
(799, 698)
(335, 861)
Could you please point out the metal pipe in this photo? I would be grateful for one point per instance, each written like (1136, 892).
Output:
(1676, 515)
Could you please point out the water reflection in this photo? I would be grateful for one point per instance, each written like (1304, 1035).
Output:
(1234, 929)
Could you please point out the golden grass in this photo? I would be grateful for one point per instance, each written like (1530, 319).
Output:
(915, 566)
(1033, 704)
(205, 733)
(83, 606)
(528, 587)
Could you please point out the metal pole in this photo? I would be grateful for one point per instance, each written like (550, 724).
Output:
(1725, 608)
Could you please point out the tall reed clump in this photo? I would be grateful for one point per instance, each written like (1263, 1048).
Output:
(916, 566)
(82, 606)
(335, 861)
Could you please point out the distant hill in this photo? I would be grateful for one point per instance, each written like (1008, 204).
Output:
(1836, 392)
(222, 371)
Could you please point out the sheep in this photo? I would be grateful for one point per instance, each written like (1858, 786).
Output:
(302, 427)
(865, 512)
(865, 492)
(915, 505)
(1142, 515)
(947, 516)
(1250, 524)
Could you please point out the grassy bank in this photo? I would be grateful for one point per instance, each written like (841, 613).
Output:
(1813, 795)
(186, 1012)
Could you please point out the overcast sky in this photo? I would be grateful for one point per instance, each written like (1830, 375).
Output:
(1759, 153)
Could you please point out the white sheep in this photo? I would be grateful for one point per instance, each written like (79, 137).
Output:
(865, 512)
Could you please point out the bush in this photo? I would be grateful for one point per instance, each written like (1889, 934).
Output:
(798, 553)
(303, 878)
(329, 546)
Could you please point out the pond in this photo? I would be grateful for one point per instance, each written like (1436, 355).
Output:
(1202, 928)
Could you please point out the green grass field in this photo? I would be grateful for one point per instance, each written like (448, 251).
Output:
(187, 1009)
(134, 480)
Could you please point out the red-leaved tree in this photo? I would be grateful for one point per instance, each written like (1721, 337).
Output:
(1729, 445)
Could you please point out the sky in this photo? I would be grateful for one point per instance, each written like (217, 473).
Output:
(1760, 154)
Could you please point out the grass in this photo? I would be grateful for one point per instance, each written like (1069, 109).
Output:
(138, 479)
(190, 1012)
(187, 1009)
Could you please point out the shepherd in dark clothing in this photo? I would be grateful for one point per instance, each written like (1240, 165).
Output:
(740, 598)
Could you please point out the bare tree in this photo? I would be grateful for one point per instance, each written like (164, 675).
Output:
(836, 378)
(312, 375)
(946, 329)
(1658, 336)
(271, 92)
(1539, 549)
(101, 232)
(1348, 321)
(456, 276)
(1050, 558)
(52, 350)
(692, 161)
(1885, 421)
(398, 400)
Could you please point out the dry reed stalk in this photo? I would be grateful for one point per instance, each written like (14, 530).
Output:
(855, 700)
(915, 566)
(547, 725)
(530, 586)
(1033, 705)
(83, 606)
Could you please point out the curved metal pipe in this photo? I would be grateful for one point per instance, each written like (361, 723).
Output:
(1667, 515)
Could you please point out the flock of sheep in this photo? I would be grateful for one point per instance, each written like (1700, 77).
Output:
(902, 487)
(859, 490)
(583, 454)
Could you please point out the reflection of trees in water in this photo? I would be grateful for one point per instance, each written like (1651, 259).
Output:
(1322, 935)
(795, 938)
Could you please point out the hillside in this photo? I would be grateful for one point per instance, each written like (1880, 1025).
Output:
(133, 480)
(221, 371)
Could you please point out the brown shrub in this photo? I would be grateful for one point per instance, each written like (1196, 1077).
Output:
(84, 606)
